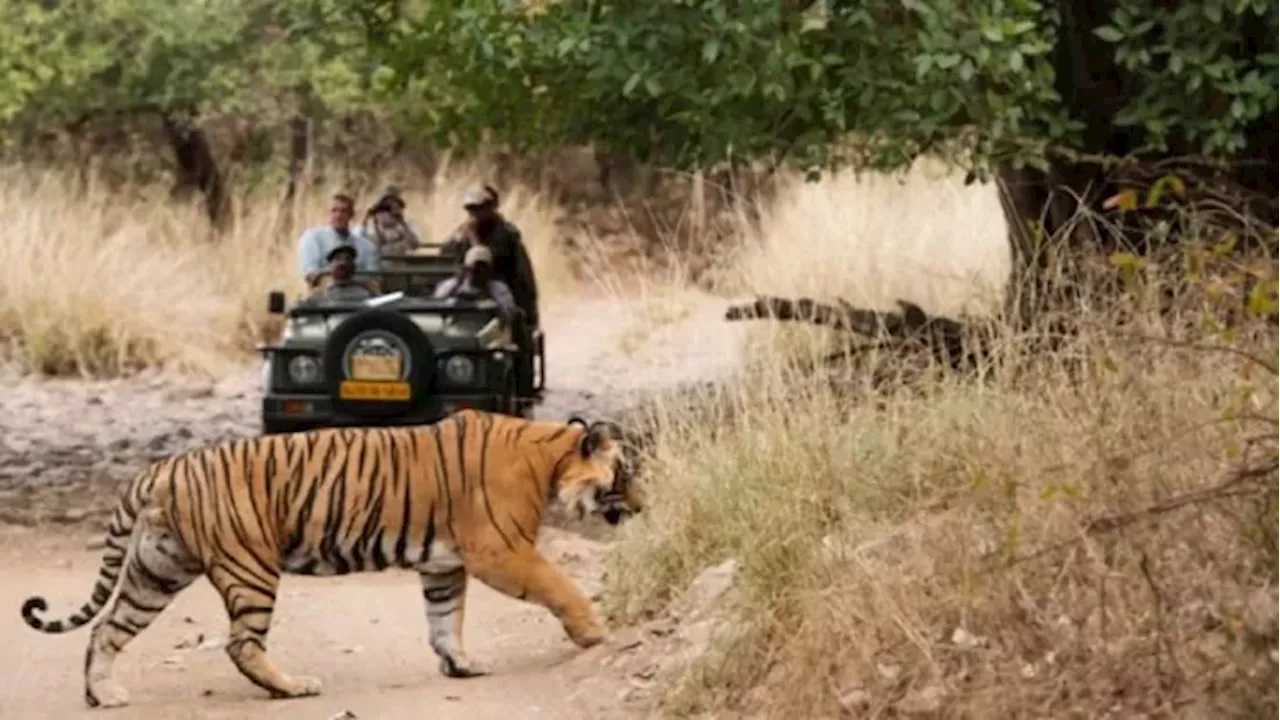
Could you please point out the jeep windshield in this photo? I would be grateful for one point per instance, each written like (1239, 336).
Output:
(316, 318)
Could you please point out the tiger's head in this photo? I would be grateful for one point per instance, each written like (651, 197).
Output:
(597, 476)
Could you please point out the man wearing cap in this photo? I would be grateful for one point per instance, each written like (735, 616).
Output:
(316, 243)
(343, 287)
(488, 228)
(385, 226)
(476, 275)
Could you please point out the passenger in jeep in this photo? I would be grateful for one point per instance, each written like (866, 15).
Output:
(487, 227)
(315, 245)
(385, 225)
(343, 287)
(476, 277)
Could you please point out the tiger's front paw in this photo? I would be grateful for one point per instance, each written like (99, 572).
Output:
(587, 634)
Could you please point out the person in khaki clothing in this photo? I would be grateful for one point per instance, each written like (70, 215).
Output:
(385, 225)
(511, 263)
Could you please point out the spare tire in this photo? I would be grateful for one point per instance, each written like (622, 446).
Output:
(378, 364)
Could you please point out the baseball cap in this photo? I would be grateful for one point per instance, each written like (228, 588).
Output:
(477, 254)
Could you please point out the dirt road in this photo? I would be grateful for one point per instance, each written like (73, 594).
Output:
(63, 445)
(364, 636)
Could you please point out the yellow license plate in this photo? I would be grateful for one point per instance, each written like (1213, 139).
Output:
(361, 390)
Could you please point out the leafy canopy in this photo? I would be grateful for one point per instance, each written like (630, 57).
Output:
(695, 82)
(685, 83)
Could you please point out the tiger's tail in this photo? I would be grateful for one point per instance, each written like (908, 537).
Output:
(119, 531)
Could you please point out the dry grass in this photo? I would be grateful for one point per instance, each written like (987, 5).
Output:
(966, 549)
(100, 282)
(870, 240)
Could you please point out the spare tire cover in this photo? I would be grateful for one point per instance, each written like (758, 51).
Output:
(379, 350)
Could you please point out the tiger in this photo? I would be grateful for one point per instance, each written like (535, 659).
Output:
(461, 497)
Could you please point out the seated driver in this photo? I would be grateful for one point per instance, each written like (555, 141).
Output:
(476, 276)
(343, 287)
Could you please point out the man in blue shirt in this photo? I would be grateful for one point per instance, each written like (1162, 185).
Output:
(316, 243)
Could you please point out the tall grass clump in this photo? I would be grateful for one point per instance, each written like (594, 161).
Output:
(99, 281)
(1080, 533)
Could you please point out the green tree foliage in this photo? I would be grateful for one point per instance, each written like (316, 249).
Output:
(873, 84)
(1201, 74)
(991, 84)
(77, 59)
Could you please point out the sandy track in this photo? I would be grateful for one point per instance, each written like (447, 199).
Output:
(64, 445)
(364, 636)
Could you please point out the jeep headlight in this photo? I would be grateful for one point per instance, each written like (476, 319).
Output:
(459, 370)
(304, 370)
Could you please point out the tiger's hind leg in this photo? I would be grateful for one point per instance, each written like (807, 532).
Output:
(248, 588)
(159, 568)
(445, 592)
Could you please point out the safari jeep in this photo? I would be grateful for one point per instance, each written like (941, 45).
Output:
(401, 358)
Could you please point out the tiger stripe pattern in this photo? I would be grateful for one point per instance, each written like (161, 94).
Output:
(463, 497)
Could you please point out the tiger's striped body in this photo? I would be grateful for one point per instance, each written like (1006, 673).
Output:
(463, 497)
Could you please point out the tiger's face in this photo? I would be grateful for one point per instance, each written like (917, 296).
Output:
(597, 479)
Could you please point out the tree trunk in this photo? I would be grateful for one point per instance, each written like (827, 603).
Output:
(197, 170)
(299, 154)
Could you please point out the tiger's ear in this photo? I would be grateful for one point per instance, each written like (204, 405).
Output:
(577, 420)
(594, 438)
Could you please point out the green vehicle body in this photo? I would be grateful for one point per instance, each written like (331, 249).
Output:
(401, 358)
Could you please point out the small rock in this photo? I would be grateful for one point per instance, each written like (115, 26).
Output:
(189, 644)
(216, 643)
(353, 650)
(174, 661)
(1028, 671)
(855, 700)
(73, 515)
(1260, 612)
(708, 587)
(964, 639)
(454, 698)
(344, 715)
(889, 672)
(648, 672)
(922, 702)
